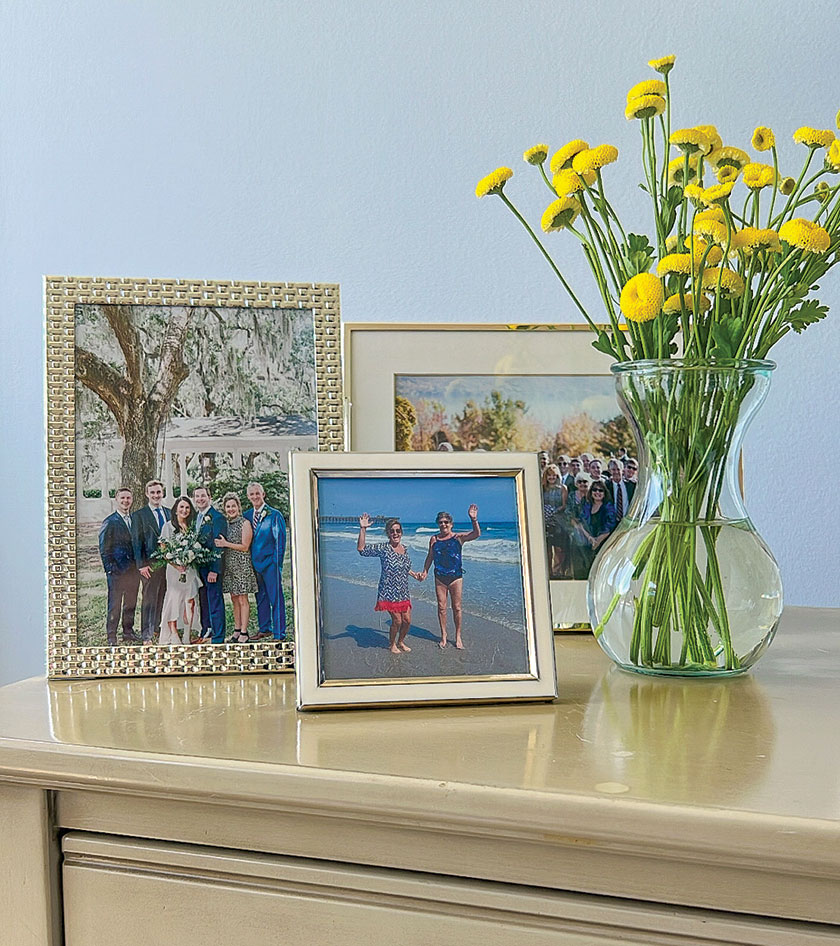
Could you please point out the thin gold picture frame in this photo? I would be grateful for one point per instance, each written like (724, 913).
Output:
(65, 659)
(375, 353)
(539, 682)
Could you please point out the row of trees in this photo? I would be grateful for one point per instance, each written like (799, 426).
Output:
(500, 423)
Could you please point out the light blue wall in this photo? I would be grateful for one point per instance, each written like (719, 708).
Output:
(341, 141)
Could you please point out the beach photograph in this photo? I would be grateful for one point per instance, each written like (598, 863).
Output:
(420, 577)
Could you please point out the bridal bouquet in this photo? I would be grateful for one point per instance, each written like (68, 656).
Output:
(182, 549)
(734, 254)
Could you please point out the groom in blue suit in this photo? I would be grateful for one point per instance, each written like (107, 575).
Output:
(209, 525)
(267, 550)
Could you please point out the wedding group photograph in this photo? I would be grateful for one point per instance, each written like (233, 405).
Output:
(571, 421)
(185, 417)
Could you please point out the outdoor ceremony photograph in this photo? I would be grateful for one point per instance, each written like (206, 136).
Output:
(184, 419)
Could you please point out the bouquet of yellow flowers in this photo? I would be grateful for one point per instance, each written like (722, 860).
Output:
(736, 251)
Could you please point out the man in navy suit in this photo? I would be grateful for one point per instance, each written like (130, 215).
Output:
(209, 525)
(146, 525)
(117, 552)
(267, 550)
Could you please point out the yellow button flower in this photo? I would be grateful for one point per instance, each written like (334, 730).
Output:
(674, 263)
(648, 87)
(536, 155)
(717, 193)
(763, 138)
(663, 65)
(731, 283)
(710, 227)
(728, 155)
(806, 235)
(644, 106)
(832, 157)
(560, 214)
(787, 186)
(713, 213)
(837, 120)
(756, 176)
(593, 159)
(642, 297)
(693, 192)
(671, 243)
(813, 137)
(752, 239)
(691, 140)
(563, 157)
(674, 303)
(493, 183)
(569, 181)
(711, 132)
(713, 254)
(676, 169)
(726, 173)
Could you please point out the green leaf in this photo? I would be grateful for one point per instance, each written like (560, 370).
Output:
(727, 335)
(807, 313)
(604, 343)
(638, 254)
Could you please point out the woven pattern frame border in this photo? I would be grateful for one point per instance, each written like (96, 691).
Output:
(61, 295)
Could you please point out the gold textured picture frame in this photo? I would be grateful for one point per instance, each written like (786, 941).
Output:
(377, 355)
(420, 578)
(294, 308)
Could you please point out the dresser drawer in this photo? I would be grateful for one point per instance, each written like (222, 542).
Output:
(142, 893)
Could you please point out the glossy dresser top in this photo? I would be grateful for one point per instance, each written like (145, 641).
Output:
(763, 746)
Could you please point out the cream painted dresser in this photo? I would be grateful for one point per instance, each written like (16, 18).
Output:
(206, 811)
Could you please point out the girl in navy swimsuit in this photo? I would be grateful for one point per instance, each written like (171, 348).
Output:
(445, 551)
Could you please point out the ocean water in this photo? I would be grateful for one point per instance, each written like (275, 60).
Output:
(492, 565)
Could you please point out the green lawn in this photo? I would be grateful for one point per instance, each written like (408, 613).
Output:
(92, 594)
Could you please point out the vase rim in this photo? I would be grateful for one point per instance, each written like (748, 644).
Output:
(651, 365)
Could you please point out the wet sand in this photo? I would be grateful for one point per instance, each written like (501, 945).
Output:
(355, 644)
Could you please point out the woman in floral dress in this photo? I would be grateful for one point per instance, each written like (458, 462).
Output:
(392, 595)
(238, 579)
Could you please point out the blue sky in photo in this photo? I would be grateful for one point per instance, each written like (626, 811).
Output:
(550, 398)
(417, 498)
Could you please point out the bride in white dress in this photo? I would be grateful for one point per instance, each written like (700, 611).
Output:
(180, 605)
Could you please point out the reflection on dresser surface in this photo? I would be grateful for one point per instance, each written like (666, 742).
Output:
(207, 811)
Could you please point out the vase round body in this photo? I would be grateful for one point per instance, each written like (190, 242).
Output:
(685, 585)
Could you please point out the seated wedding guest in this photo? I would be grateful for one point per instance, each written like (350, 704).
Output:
(554, 501)
(117, 552)
(209, 525)
(146, 524)
(180, 603)
(238, 578)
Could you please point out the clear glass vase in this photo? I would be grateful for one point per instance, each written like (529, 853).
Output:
(685, 584)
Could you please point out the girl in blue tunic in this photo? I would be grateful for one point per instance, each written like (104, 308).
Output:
(392, 595)
(445, 552)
